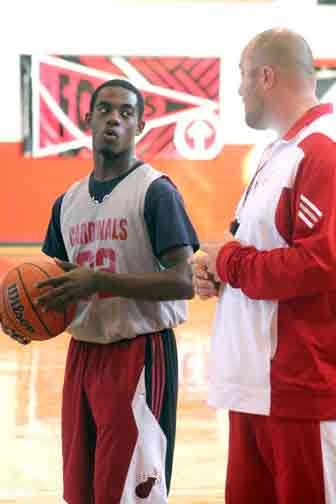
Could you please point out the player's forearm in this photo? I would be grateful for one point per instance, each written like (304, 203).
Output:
(172, 283)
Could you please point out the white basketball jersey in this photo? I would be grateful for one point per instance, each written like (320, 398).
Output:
(112, 236)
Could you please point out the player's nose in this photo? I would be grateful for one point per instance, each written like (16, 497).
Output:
(113, 118)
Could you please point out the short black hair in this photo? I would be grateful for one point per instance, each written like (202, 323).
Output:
(123, 84)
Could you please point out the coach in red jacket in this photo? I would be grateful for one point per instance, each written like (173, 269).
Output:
(273, 360)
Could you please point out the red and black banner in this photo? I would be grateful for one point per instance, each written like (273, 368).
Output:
(181, 103)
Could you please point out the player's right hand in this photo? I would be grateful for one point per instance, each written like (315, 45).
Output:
(13, 334)
(204, 282)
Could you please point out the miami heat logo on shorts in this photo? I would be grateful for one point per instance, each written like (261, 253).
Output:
(147, 482)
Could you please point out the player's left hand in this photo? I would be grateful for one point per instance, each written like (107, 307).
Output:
(76, 283)
(212, 249)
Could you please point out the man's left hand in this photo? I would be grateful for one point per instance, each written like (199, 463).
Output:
(212, 249)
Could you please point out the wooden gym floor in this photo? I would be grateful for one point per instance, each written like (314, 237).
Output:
(30, 390)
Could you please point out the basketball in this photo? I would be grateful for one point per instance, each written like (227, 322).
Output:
(18, 310)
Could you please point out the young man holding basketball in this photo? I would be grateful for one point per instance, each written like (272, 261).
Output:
(273, 358)
(123, 237)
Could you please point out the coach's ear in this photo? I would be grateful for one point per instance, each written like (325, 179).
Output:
(88, 118)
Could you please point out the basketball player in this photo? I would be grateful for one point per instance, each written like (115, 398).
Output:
(273, 361)
(123, 237)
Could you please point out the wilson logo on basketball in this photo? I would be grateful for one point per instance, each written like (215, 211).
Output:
(144, 489)
(17, 307)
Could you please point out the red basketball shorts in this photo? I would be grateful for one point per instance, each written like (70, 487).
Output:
(119, 419)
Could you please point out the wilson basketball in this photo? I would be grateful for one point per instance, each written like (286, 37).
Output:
(18, 310)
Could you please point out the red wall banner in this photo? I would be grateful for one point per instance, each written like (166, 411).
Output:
(181, 103)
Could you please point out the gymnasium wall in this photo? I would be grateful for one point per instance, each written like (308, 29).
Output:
(210, 188)
(29, 187)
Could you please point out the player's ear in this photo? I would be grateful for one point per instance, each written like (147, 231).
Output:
(88, 118)
(140, 127)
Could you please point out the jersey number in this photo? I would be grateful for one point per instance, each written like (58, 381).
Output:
(104, 260)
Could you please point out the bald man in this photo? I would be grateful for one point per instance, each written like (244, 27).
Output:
(273, 357)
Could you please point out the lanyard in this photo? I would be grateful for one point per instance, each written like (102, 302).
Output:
(264, 160)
